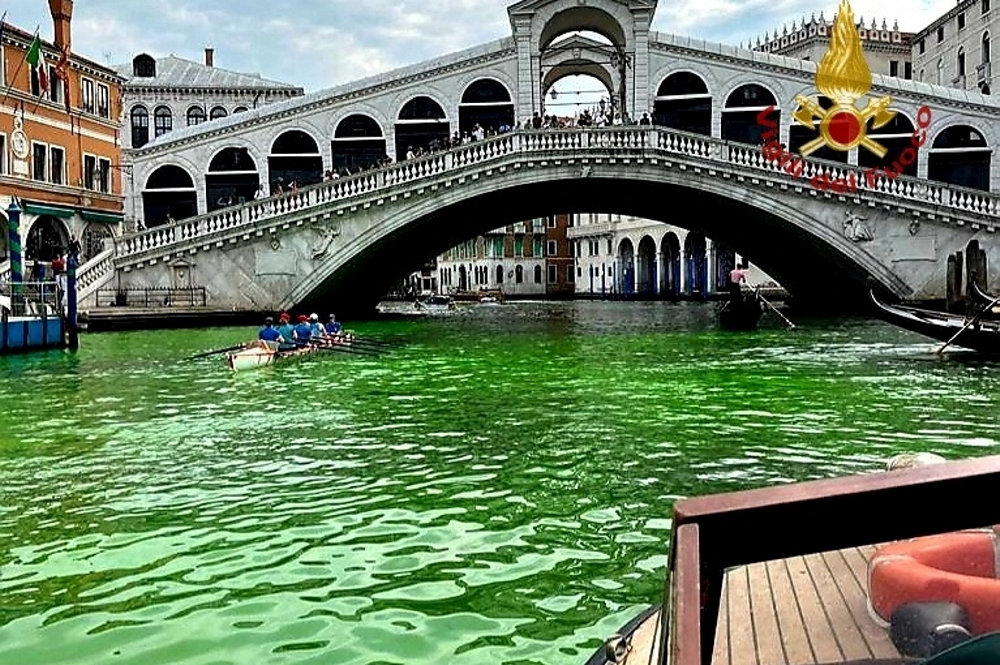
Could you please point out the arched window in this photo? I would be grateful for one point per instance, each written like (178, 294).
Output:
(960, 156)
(169, 196)
(986, 48)
(940, 71)
(140, 126)
(683, 102)
(538, 274)
(240, 109)
(357, 143)
(499, 274)
(487, 103)
(219, 112)
(961, 61)
(144, 66)
(195, 116)
(740, 121)
(519, 274)
(163, 120)
(422, 125)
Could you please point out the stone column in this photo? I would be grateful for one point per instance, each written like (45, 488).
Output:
(661, 283)
(526, 84)
(641, 94)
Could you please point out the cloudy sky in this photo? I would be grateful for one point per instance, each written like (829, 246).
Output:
(321, 43)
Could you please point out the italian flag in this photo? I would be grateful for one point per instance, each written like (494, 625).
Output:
(37, 61)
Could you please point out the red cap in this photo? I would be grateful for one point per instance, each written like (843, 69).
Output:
(303, 318)
(284, 317)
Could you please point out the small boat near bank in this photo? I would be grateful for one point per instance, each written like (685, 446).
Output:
(263, 354)
(742, 315)
(976, 333)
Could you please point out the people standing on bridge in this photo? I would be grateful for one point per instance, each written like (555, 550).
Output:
(737, 278)
(644, 120)
(536, 121)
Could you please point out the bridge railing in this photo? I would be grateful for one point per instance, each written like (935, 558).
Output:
(95, 273)
(549, 141)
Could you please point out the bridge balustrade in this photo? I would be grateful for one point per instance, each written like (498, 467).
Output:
(547, 141)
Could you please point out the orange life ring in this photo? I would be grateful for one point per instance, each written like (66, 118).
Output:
(961, 568)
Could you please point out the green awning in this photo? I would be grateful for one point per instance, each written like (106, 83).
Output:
(39, 209)
(108, 218)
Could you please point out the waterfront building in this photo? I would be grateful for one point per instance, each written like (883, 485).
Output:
(164, 94)
(888, 50)
(956, 49)
(60, 155)
(527, 259)
(622, 256)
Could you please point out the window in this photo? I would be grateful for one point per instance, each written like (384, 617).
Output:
(940, 72)
(39, 161)
(35, 86)
(961, 62)
(89, 171)
(538, 273)
(961, 21)
(986, 48)
(908, 70)
(55, 86)
(499, 274)
(57, 165)
(144, 66)
(940, 34)
(103, 101)
(219, 112)
(518, 247)
(240, 109)
(551, 248)
(140, 126)
(195, 116)
(986, 6)
(552, 222)
(894, 68)
(104, 175)
(163, 120)
(922, 46)
(87, 96)
(570, 275)
(609, 246)
(3, 153)
(519, 274)
(498, 248)
(553, 277)
(536, 246)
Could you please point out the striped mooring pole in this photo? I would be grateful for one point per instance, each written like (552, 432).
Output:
(14, 242)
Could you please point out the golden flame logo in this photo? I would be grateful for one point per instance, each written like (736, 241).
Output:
(843, 76)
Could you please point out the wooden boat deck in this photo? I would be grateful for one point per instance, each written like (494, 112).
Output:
(805, 610)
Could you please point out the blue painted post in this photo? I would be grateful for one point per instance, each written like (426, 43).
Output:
(72, 262)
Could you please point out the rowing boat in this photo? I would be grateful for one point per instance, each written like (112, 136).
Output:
(261, 354)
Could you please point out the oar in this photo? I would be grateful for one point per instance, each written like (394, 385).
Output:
(344, 348)
(791, 326)
(217, 352)
(968, 325)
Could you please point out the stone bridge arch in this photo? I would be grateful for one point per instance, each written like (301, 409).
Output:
(791, 240)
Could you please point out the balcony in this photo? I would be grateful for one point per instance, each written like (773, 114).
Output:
(984, 73)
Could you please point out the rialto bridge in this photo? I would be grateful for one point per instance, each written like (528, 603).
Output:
(698, 166)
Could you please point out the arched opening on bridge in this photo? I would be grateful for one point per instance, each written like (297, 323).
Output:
(670, 247)
(487, 103)
(740, 120)
(169, 196)
(684, 103)
(463, 279)
(421, 123)
(799, 136)
(232, 179)
(581, 19)
(960, 156)
(358, 143)
(96, 239)
(577, 93)
(47, 238)
(896, 137)
(645, 267)
(626, 267)
(294, 158)
(725, 261)
(695, 251)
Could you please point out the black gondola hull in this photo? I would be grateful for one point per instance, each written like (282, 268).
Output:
(982, 336)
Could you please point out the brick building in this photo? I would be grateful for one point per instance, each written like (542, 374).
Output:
(61, 159)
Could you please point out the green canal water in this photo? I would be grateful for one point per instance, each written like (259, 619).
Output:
(496, 489)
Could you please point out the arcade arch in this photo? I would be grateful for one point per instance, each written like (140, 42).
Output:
(47, 238)
(799, 135)
(683, 102)
(231, 179)
(960, 156)
(294, 158)
(645, 267)
(626, 270)
(740, 114)
(358, 143)
(696, 255)
(421, 123)
(485, 102)
(670, 247)
(896, 137)
(169, 196)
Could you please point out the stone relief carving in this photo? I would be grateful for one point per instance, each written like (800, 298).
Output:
(855, 228)
(914, 227)
(326, 237)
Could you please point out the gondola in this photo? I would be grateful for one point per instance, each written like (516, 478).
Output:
(982, 336)
(984, 299)
(743, 315)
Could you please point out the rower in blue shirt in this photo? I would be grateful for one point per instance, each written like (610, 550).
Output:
(303, 331)
(269, 333)
(333, 326)
(318, 331)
